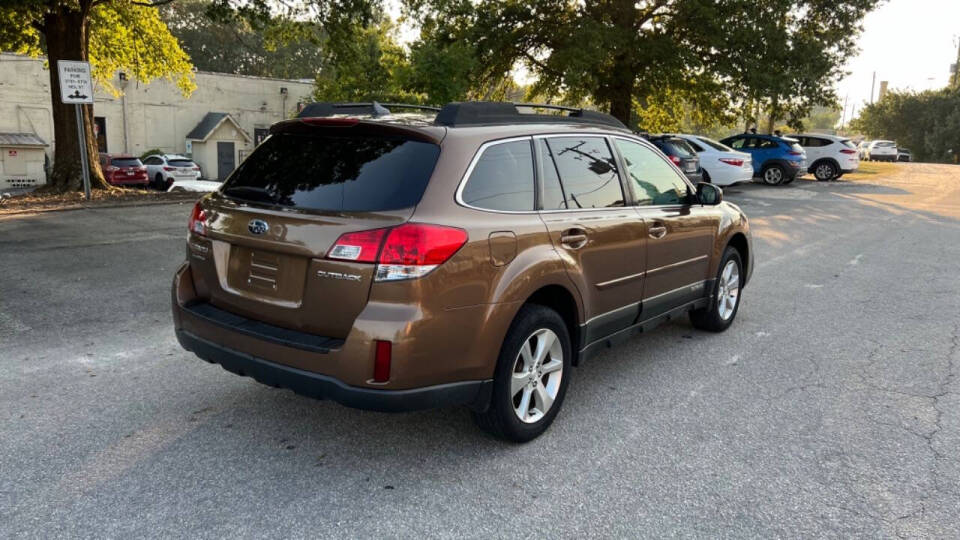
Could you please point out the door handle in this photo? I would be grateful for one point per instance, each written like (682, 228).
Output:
(573, 238)
(657, 231)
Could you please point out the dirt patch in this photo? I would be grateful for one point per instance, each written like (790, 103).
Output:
(30, 203)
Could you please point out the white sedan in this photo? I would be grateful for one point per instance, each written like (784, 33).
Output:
(721, 164)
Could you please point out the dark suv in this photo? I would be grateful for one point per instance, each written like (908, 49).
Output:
(681, 154)
(464, 256)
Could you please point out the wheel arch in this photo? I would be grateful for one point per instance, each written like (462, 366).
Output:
(739, 242)
(832, 161)
(562, 300)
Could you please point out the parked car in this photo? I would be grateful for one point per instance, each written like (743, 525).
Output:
(202, 186)
(165, 169)
(829, 156)
(721, 165)
(470, 256)
(123, 170)
(680, 153)
(903, 154)
(882, 151)
(776, 160)
(862, 149)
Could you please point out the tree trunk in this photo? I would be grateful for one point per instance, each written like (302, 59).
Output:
(65, 32)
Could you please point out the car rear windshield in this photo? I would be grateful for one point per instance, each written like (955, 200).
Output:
(335, 173)
(884, 144)
(715, 145)
(676, 147)
(125, 162)
(180, 163)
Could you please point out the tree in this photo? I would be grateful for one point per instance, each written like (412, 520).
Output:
(719, 57)
(283, 48)
(129, 35)
(926, 122)
(111, 34)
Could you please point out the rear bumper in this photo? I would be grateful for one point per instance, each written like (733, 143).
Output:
(475, 394)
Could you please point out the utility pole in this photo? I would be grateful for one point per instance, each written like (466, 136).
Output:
(956, 67)
(872, 83)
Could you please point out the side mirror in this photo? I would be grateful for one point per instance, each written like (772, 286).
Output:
(709, 194)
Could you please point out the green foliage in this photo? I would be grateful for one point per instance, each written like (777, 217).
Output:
(283, 48)
(928, 123)
(122, 36)
(648, 61)
(151, 152)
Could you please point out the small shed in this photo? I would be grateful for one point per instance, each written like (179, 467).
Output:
(215, 144)
(22, 158)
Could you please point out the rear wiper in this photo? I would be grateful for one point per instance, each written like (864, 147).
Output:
(251, 193)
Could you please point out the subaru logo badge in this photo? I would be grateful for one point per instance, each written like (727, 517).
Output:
(258, 226)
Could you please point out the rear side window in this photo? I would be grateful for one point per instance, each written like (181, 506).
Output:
(502, 179)
(848, 143)
(554, 197)
(335, 173)
(587, 171)
(696, 147)
(126, 162)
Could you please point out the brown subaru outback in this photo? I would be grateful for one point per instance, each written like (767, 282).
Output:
(469, 255)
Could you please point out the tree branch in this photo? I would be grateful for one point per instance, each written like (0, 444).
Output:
(152, 4)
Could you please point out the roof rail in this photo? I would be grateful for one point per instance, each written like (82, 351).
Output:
(471, 113)
(328, 108)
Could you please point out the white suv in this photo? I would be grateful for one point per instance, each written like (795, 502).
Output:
(882, 151)
(829, 156)
(164, 169)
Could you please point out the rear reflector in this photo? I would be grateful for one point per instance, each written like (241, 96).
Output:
(362, 246)
(732, 161)
(198, 220)
(381, 361)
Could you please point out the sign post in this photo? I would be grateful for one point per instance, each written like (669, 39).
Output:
(76, 89)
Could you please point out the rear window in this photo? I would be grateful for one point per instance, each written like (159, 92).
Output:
(715, 145)
(126, 162)
(502, 178)
(884, 144)
(675, 147)
(335, 173)
(180, 163)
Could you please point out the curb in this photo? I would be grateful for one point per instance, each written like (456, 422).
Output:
(82, 206)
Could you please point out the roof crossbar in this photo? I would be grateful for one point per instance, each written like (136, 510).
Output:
(327, 108)
(469, 113)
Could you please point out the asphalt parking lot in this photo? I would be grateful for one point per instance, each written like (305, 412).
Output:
(830, 408)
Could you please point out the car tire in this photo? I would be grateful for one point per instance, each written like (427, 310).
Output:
(825, 171)
(524, 382)
(158, 181)
(724, 302)
(773, 175)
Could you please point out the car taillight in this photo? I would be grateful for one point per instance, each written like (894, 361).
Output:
(409, 251)
(732, 161)
(362, 246)
(848, 151)
(675, 159)
(795, 153)
(169, 168)
(198, 220)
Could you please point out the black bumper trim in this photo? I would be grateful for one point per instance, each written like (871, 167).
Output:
(267, 332)
(475, 394)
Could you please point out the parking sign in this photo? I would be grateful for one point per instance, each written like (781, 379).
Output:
(75, 84)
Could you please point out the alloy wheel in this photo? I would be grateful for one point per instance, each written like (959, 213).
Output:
(824, 171)
(729, 291)
(773, 175)
(536, 376)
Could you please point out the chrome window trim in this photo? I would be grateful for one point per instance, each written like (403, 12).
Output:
(476, 159)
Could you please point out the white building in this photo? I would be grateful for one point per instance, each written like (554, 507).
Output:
(156, 115)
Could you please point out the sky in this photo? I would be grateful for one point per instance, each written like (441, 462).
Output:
(910, 43)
